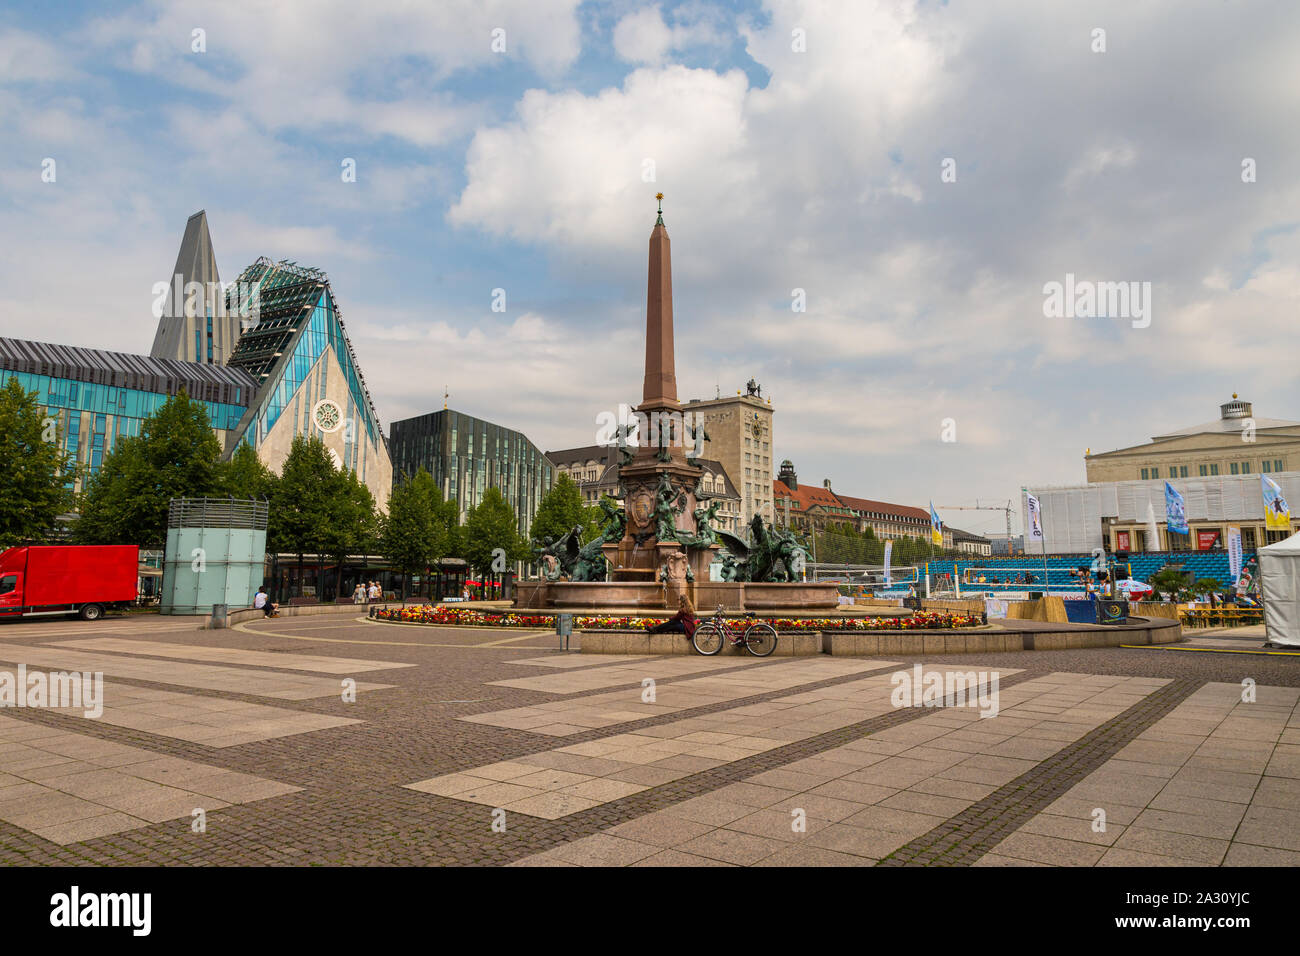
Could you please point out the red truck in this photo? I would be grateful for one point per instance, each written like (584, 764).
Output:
(67, 579)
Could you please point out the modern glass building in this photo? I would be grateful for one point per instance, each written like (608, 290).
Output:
(97, 396)
(270, 360)
(466, 456)
(308, 382)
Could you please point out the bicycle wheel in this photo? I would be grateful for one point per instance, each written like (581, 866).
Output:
(760, 639)
(707, 639)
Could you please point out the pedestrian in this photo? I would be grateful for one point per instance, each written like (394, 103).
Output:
(464, 594)
(683, 622)
(373, 592)
(359, 594)
(262, 601)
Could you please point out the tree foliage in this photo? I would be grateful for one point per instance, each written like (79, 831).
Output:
(419, 529)
(560, 509)
(1169, 582)
(32, 468)
(491, 526)
(302, 506)
(246, 476)
(176, 455)
(843, 544)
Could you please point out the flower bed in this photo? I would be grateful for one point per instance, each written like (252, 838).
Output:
(457, 616)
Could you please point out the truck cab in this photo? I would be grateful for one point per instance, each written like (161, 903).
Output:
(11, 591)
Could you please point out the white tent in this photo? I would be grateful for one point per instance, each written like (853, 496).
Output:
(1279, 585)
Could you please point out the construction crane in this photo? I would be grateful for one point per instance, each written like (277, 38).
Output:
(978, 507)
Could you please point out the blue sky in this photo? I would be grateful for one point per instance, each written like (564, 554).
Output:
(814, 168)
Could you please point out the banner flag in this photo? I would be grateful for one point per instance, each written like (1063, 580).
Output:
(1175, 511)
(889, 548)
(936, 526)
(1234, 552)
(1035, 517)
(1246, 583)
(1277, 513)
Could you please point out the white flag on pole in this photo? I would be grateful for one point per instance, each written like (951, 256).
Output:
(1035, 518)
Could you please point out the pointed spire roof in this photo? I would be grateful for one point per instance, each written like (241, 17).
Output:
(175, 337)
(196, 261)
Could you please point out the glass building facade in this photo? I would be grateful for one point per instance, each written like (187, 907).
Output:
(297, 322)
(96, 396)
(466, 456)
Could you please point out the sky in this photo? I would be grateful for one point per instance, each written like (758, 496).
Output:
(867, 202)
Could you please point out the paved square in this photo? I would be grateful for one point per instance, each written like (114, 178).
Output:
(731, 762)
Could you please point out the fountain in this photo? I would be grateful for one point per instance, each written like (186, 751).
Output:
(661, 543)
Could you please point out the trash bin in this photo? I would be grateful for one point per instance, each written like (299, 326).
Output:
(220, 616)
(564, 627)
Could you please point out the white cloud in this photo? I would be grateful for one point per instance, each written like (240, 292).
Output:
(304, 65)
(643, 37)
(827, 178)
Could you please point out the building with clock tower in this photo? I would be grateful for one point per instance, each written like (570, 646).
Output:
(740, 438)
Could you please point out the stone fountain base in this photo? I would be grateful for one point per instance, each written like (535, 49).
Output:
(705, 595)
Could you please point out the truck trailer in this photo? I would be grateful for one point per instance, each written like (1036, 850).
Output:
(49, 580)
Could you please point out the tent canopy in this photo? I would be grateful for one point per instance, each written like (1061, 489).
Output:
(1279, 583)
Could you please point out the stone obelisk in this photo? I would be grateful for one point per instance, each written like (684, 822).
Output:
(659, 481)
(660, 390)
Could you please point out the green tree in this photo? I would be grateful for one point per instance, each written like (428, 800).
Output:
(354, 524)
(1169, 582)
(559, 510)
(33, 469)
(492, 532)
(246, 476)
(1207, 586)
(302, 506)
(415, 533)
(446, 519)
(176, 455)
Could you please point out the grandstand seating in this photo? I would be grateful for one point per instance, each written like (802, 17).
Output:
(1196, 564)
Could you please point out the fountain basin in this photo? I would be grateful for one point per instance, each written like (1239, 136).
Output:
(705, 595)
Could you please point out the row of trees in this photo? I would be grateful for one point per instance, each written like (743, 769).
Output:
(844, 544)
(1177, 586)
(314, 508)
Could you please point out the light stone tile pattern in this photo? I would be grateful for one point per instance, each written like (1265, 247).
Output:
(1216, 781)
(585, 775)
(658, 668)
(15, 630)
(211, 721)
(203, 676)
(578, 660)
(231, 655)
(67, 787)
(862, 801)
(564, 718)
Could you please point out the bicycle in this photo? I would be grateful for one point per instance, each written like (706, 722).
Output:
(758, 638)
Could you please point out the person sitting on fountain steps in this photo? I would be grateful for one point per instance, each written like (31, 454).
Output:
(683, 622)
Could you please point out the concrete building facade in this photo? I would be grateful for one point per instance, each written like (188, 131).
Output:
(1237, 443)
(740, 431)
(594, 469)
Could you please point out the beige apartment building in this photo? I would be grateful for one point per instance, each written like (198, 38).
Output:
(740, 438)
